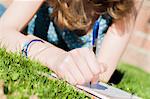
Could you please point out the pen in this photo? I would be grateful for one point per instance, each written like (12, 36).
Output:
(95, 35)
(94, 38)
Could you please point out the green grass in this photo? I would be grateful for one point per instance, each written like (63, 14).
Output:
(135, 81)
(22, 80)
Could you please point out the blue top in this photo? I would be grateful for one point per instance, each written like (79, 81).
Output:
(42, 26)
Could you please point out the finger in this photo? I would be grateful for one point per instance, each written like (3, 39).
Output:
(103, 67)
(73, 69)
(65, 74)
(91, 61)
(70, 78)
(82, 65)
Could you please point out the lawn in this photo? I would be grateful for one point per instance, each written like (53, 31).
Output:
(135, 80)
(22, 79)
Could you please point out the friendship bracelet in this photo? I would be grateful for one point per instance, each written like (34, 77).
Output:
(26, 46)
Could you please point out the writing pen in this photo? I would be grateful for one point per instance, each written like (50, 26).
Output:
(94, 38)
(95, 35)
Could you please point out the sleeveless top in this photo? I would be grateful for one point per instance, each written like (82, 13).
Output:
(43, 27)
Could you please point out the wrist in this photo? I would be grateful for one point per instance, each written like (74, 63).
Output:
(47, 54)
(55, 57)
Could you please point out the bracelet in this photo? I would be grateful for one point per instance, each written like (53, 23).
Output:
(26, 46)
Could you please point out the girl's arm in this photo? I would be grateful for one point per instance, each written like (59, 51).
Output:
(73, 65)
(112, 48)
(14, 20)
(116, 41)
(19, 13)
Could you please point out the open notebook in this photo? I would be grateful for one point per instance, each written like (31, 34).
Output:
(100, 90)
(105, 91)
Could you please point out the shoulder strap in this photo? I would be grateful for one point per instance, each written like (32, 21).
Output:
(42, 22)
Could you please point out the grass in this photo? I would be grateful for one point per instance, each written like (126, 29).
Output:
(135, 81)
(22, 80)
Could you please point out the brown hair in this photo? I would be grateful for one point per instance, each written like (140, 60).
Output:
(81, 14)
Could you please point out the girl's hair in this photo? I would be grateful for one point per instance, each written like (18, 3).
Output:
(81, 14)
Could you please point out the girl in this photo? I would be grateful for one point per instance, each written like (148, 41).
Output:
(67, 24)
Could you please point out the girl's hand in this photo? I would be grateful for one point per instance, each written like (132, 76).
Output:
(78, 66)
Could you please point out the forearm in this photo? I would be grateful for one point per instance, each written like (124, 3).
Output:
(19, 13)
(13, 41)
(112, 48)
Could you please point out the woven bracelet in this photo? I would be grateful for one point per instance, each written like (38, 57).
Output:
(27, 45)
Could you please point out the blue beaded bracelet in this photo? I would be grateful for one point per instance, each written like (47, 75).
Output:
(26, 46)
